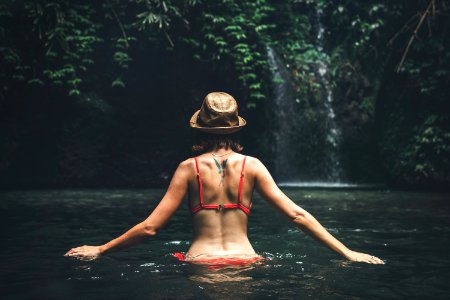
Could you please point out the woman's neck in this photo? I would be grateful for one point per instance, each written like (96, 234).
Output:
(221, 152)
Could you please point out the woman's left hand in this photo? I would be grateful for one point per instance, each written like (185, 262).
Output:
(85, 252)
(363, 257)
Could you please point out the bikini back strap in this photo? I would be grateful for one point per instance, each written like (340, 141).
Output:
(200, 185)
(241, 181)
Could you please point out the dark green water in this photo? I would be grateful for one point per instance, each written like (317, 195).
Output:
(410, 231)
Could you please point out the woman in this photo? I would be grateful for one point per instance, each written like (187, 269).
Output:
(220, 183)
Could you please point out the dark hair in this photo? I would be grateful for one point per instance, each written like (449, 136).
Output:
(205, 142)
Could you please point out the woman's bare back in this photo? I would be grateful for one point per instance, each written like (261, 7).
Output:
(221, 231)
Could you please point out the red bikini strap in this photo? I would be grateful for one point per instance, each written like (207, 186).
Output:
(241, 181)
(200, 185)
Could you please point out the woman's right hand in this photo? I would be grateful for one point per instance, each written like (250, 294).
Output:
(363, 257)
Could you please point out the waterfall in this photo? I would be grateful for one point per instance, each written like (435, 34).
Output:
(285, 122)
(294, 137)
(333, 137)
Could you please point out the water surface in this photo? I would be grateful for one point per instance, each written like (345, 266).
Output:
(410, 231)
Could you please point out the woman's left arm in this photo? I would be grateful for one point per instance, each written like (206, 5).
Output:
(267, 188)
(149, 227)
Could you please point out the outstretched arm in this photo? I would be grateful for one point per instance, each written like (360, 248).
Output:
(147, 228)
(268, 189)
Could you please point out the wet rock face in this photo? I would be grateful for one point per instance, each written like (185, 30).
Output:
(355, 102)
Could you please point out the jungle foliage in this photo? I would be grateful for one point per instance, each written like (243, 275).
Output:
(69, 61)
(67, 38)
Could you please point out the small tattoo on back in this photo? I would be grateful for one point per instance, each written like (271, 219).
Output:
(221, 168)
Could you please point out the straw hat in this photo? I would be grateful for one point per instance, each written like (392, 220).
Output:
(218, 114)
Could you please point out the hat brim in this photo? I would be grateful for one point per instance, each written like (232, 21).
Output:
(217, 130)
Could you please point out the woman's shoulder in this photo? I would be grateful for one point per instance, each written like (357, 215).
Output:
(186, 166)
(250, 161)
(253, 165)
(187, 163)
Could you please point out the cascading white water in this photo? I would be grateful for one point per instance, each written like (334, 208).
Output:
(287, 134)
(285, 121)
(333, 132)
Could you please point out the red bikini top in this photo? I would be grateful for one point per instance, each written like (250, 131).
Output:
(202, 205)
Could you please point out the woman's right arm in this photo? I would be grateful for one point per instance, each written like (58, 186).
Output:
(267, 188)
(149, 227)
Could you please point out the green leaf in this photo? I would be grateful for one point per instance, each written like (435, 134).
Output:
(118, 83)
(74, 92)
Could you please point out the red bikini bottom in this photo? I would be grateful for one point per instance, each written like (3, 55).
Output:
(220, 262)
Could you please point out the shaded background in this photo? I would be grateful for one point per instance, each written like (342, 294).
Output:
(99, 94)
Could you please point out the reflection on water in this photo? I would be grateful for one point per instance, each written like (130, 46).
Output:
(226, 274)
(410, 231)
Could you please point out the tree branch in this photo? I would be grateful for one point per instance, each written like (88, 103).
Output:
(124, 34)
(414, 34)
(404, 28)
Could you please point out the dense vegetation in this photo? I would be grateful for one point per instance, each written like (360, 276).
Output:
(99, 93)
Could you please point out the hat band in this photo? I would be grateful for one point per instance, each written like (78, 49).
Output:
(205, 124)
